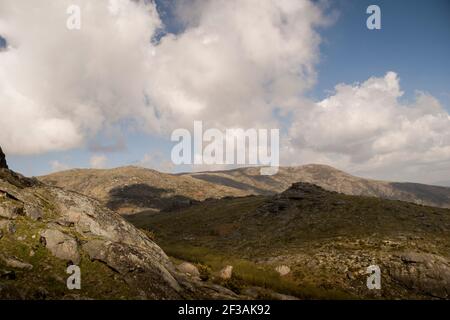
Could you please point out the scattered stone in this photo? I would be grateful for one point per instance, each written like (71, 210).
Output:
(226, 273)
(7, 226)
(33, 213)
(283, 270)
(189, 269)
(16, 263)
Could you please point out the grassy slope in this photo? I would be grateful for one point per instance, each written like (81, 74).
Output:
(323, 239)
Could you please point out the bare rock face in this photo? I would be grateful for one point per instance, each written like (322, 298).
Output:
(61, 245)
(3, 164)
(424, 272)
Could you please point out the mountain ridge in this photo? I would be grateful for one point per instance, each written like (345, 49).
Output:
(131, 189)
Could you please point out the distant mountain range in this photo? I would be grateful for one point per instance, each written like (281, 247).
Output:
(133, 189)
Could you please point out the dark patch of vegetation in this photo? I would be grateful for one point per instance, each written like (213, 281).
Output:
(230, 183)
(144, 195)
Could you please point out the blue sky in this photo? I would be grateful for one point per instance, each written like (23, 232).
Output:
(414, 42)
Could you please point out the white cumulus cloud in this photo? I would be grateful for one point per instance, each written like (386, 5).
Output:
(366, 127)
(64, 86)
(60, 86)
(237, 63)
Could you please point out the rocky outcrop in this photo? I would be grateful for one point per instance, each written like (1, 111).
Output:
(297, 192)
(61, 245)
(188, 268)
(423, 272)
(44, 229)
(226, 273)
(3, 164)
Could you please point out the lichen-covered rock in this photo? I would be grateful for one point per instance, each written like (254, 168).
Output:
(33, 212)
(423, 272)
(10, 210)
(148, 271)
(61, 245)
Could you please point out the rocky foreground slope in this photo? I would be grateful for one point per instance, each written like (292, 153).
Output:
(133, 189)
(322, 242)
(45, 229)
